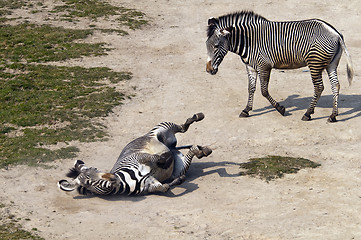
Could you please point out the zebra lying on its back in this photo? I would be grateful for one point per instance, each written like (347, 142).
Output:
(143, 166)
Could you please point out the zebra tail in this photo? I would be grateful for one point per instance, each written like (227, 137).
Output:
(349, 62)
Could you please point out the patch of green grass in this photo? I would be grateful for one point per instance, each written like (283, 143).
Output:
(43, 105)
(94, 9)
(272, 167)
(12, 231)
(12, 4)
(41, 94)
(86, 8)
(6, 7)
(33, 43)
(132, 18)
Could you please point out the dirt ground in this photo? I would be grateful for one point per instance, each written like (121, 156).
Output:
(168, 61)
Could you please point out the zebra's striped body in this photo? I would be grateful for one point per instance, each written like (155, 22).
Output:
(263, 45)
(143, 166)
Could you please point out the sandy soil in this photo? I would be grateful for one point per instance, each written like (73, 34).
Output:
(168, 61)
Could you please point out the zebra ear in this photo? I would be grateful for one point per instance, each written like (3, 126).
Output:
(66, 185)
(212, 21)
(77, 163)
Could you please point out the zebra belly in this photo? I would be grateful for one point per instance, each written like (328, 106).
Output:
(155, 147)
(292, 65)
(162, 174)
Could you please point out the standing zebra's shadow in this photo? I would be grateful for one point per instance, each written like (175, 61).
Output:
(349, 106)
(197, 169)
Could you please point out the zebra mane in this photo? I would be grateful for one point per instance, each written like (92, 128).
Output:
(229, 20)
(73, 173)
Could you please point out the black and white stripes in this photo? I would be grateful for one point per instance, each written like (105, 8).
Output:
(143, 165)
(263, 45)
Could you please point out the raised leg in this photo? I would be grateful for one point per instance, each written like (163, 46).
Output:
(166, 131)
(182, 162)
(318, 88)
(264, 76)
(252, 79)
(195, 118)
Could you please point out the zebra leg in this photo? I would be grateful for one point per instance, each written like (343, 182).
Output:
(318, 88)
(252, 79)
(335, 87)
(195, 118)
(182, 162)
(152, 160)
(153, 185)
(264, 76)
(165, 131)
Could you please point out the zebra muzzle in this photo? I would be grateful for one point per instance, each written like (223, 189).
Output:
(210, 69)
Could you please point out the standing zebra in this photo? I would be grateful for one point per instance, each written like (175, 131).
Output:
(263, 45)
(142, 167)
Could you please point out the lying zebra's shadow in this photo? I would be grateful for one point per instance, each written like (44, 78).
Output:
(113, 197)
(197, 169)
(293, 103)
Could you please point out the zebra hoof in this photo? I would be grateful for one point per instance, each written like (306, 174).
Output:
(177, 181)
(206, 151)
(244, 114)
(332, 119)
(281, 110)
(203, 152)
(198, 117)
(306, 118)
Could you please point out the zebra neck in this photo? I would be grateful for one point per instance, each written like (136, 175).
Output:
(239, 42)
(242, 26)
(130, 183)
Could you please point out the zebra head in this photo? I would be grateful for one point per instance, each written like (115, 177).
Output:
(89, 180)
(217, 45)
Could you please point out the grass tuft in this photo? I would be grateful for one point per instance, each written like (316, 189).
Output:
(95, 9)
(86, 8)
(42, 105)
(12, 231)
(33, 43)
(272, 167)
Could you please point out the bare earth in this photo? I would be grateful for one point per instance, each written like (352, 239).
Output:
(168, 61)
